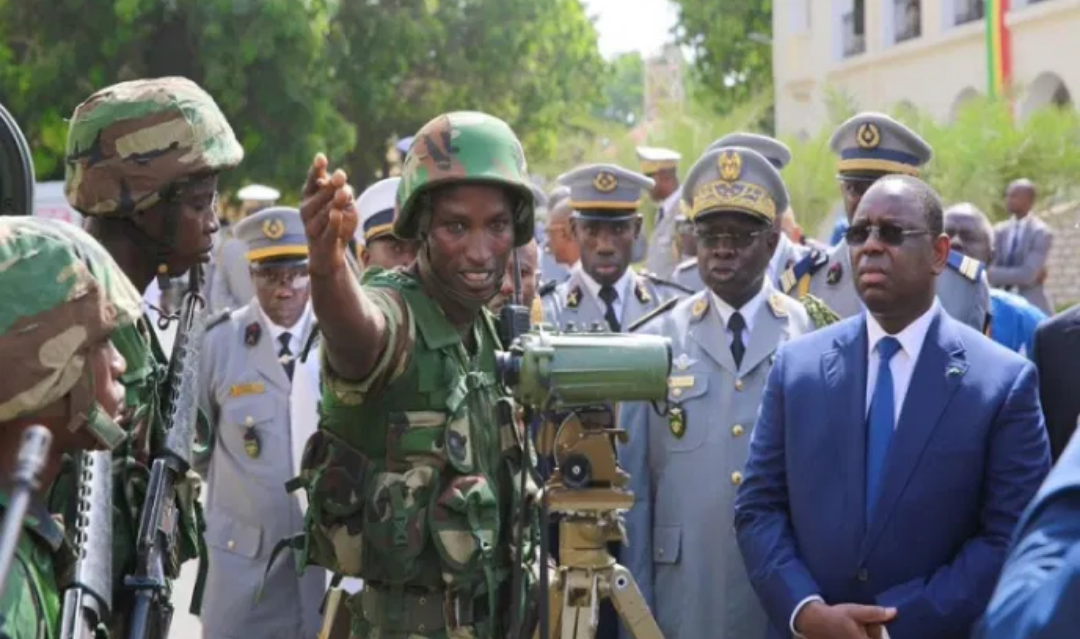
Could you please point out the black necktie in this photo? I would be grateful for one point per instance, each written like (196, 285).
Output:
(285, 356)
(736, 324)
(608, 296)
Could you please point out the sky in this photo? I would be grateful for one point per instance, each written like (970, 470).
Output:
(632, 25)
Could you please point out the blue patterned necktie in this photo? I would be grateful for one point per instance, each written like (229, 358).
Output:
(881, 424)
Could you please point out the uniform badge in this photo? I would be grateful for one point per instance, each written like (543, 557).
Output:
(697, 311)
(868, 136)
(605, 182)
(777, 305)
(273, 229)
(642, 294)
(677, 421)
(834, 274)
(573, 298)
(240, 390)
(730, 164)
(252, 334)
(251, 442)
(683, 362)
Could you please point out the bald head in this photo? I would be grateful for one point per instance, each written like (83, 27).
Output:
(1020, 197)
(969, 231)
(912, 191)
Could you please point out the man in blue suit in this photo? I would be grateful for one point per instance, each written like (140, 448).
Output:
(894, 451)
(1038, 596)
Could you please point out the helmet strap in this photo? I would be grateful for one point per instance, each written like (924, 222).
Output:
(86, 412)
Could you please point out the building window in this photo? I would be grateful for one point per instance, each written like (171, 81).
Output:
(853, 29)
(965, 11)
(908, 20)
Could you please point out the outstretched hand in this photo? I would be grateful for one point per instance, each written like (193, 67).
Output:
(328, 210)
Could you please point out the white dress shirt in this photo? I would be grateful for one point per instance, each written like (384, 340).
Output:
(902, 367)
(297, 332)
(749, 311)
(622, 288)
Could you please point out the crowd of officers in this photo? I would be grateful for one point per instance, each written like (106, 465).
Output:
(347, 385)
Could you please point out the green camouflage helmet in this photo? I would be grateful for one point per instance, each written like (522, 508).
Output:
(63, 294)
(130, 141)
(464, 146)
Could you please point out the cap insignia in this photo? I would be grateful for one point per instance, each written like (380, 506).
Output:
(730, 166)
(605, 182)
(273, 229)
(868, 136)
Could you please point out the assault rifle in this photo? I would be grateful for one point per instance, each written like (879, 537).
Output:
(159, 524)
(88, 598)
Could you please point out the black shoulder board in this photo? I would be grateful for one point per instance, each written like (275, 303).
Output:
(656, 312)
(218, 319)
(547, 288)
(656, 279)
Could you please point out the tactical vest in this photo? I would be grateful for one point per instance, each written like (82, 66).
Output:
(415, 487)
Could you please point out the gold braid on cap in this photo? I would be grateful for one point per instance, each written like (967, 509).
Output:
(733, 196)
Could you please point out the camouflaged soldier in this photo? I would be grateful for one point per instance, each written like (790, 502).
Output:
(143, 159)
(411, 483)
(872, 145)
(65, 296)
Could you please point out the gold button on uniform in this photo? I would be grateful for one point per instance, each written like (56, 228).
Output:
(736, 430)
(249, 420)
(677, 392)
(736, 478)
(738, 384)
(230, 544)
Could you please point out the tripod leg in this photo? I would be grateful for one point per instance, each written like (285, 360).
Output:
(556, 596)
(631, 606)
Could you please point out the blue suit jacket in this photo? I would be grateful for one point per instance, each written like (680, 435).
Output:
(1038, 596)
(970, 451)
(1013, 321)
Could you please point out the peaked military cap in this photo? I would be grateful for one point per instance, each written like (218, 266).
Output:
(775, 151)
(376, 209)
(259, 193)
(275, 234)
(735, 179)
(605, 191)
(872, 144)
(557, 194)
(653, 159)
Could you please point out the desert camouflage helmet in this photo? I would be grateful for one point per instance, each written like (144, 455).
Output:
(63, 295)
(128, 142)
(464, 146)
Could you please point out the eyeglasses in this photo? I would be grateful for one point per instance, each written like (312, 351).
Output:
(734, 240)
(292, 278)
(890, 234)
(856, 188)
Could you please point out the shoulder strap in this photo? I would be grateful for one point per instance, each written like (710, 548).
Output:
(218, 318)
(547, 288)
(969, 267)
(656, 279)
(800, 271)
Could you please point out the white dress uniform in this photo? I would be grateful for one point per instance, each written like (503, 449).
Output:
(247, 395)
(663, 254)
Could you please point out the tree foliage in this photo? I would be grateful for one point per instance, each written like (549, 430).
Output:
(624, 92)
(296, 76)
(730, 41)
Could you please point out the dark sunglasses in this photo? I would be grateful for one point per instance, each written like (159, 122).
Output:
(734, 240)
(887, 233)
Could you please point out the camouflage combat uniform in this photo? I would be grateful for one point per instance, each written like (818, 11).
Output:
(412, 484)
(63, 294)
(129, 147)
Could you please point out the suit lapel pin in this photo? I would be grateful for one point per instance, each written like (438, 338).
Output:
(642, 294)
(834, 273)
(252, 334)
(954, 371)
(573, 298)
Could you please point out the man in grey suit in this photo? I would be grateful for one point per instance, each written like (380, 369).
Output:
(662, 167)
(872, 145)
(1023, 243)
(249, 359)
(602, 288)
(686, 466)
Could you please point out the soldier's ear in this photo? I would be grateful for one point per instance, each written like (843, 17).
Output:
(637, 226)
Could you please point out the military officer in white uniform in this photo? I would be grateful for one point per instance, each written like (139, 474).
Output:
(662, 167)
(376, 243)
(871, 145)
(248, 363)
(686, 273)
(230, 285)
(602, 288)
(686, 466)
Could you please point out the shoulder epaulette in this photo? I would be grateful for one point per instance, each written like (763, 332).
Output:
(687, 264)
(218, 319)
(656, 279)
(547, 288)
(809, 264)
(656, 312)
(969, 267)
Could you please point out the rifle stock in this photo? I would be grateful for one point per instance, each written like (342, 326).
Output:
(158, 527)
(88, 598)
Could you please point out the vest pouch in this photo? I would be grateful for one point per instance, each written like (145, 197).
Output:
(336, 477)
(396, 523)
(465, 525)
